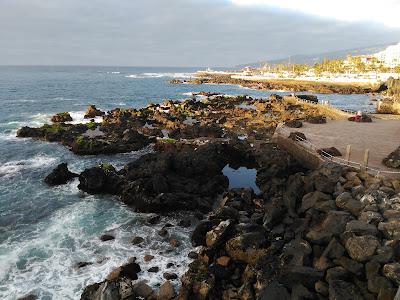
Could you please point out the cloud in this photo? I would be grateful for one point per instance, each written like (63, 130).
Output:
(168, 33)
(382, 11)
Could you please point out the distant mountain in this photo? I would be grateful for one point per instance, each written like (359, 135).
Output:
(314, 58)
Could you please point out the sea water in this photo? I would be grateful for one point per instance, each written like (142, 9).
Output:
(45, 231)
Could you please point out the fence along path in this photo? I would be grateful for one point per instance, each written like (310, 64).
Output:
(311, 148)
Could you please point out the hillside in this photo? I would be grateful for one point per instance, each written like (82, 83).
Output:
(314, 58)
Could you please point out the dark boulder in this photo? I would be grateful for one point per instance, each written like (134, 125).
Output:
(107, 237)
(342, 290)
(294, 124)
(99, 180)
(92, 112)
(198, 237)
(130, 271)
(274, 291)
(60, 175)
(393, 159)
(61, 117)
(316, 120)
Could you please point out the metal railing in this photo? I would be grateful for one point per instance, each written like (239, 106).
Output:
(329, 157)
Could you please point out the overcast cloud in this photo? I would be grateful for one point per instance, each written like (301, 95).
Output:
(172, 32)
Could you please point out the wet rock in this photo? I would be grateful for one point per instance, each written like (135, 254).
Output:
(153, 269)
(28, 297)
(163, 232)
(130, 271)
(92, 112)
(148, 257)
(170, 276)
(114, 274)
(153, 219)
(83, 264)
(61, 117)
(100, 290)
(137, 240)
(60, 175)
(166, 291)
(100, 180)
(361, 248)
(193, 255)
(186, 222)
(174, 243)
(107, 237)
(392, 271)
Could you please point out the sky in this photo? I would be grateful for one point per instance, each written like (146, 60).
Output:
(187, 32)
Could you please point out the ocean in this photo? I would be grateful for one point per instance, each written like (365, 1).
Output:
(46, 231)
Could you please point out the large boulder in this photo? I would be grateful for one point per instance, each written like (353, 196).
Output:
(100, 180)
(60, 175)
(393, 159)
(392, 271)
(362, 248)
(92, 112)
(248, 247)
(343, 290)
(61, 117)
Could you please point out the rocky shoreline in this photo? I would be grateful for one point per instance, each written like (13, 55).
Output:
(329, 233)
(286, 85)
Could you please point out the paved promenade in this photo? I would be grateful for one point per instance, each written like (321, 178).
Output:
(381, 137)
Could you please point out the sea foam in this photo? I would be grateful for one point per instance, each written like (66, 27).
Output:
(15, 166)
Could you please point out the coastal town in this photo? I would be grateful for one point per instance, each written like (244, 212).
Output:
(369, 68)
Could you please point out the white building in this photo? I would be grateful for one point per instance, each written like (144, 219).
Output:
(390, 57)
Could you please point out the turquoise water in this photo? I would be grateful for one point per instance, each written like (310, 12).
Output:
(45, 231)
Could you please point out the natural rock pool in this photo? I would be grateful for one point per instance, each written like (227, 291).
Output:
(242, 178)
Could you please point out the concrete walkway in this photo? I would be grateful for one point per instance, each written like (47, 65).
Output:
(381, 137)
